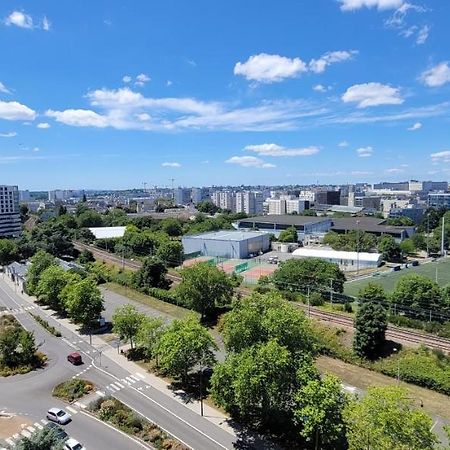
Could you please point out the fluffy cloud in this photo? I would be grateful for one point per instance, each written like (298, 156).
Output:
(343, 144)
(43, 125)
(350, 5)
(16, 111)
(46, 24)
(319, 65)
(22, 20)
(422, 35)
(414, 127)
(4, 89)
(249, 161)
(126, 78)
(437, 75)
(79, 118)
(8, 135)
(265, 68)
(364, 152)
(270, 68)
(141, 79)
(372, 94)
(277, 150)
(441, 157)
(171, 164)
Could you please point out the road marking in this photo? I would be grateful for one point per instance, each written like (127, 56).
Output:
(123, 380)
(131, 380)
(81, 405)
(135, 377)
(72, 410)
(38, 425)
(25, 433)
(107, 387)
(16, 436)
(45, 422)
(31, 429)
(120, 385)
(100, 393)
(115, 387)
(140, 375)
(10, 442)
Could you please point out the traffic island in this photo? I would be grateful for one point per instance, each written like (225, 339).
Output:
(119, 415)
(72, 390)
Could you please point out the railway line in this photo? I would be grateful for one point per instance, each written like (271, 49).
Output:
(393, 332)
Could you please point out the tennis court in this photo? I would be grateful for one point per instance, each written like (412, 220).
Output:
(253, 274)
(199, 259)
(438, 270)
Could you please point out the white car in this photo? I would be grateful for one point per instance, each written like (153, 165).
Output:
(58, 415)
(72, 444)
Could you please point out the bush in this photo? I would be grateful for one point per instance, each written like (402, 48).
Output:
(46, 325)
(73, 389)
(163, 295)
(316, 299)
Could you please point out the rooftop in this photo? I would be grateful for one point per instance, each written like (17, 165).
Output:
(370, 224)
(286, 219)
(107, 232)
(335, 254)
(228, 235)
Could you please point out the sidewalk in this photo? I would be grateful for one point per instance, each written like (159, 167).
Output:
(209, 413)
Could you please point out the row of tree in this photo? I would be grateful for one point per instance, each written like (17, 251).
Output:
(69, 292)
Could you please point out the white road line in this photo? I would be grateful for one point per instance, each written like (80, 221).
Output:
(10, 442)
(16, 436)
(115, 387)
(131, 380)
(100, 393)
(125, 381)
(45, 422)
(107, 387)
(140, 375)
(80, 405)
(135, 377)
(25, 433)
(31, 429)
(120, 385)
(72, 410)
(38, 425)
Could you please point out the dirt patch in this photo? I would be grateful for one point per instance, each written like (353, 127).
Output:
(10, 425)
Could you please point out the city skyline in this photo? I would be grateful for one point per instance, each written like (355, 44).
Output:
(115, 96)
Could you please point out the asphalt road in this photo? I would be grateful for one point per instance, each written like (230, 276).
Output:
(30, 394)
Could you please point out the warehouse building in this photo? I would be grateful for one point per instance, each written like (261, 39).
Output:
(348, 261)
(227, 244)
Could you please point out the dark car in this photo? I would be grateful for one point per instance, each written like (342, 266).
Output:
(59, 433)
(75, 358)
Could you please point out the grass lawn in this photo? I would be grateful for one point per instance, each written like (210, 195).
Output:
(389, 279)
(167, 308)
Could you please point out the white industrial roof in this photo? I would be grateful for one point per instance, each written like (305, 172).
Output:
(335, 254)
(107, 232)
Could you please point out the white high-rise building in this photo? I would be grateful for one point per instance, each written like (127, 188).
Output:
(276, 206)
(10, 225)
(249, 202)
(182, 196)
(224, 200)
(295, 205)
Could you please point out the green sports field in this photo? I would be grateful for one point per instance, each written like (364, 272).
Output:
(389, 279)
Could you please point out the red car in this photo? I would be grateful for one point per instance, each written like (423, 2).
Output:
(75, 358)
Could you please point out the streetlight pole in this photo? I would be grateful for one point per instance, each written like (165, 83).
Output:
(357, 248)
(331, 290)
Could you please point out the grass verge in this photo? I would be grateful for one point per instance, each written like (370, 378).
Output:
(46, 325)
(125, 419)
(175, 311)
(72, 389)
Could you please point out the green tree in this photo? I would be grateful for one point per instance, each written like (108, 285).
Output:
(52, 237)
(171, 252)
(44, 439)
(115, 217)
(149, 334)
(8, 348)
(319, 411)
(385, 419)
(390, 250)
(86, 256)
(183, 345)
(370, 330)
(257, 384)
(207, 207)
(27, 346)
(417, 291)
(408, 247)
(351, 242)
(372, 292)
(400, 221)
(263, 317)
(204, 287)
(173, 227)
(151, 274)
(83, 301)
(51, 283)
(298, 274)
(89, 218)
(39, 262)
(127, 321)
(9, 251)
(288, 235)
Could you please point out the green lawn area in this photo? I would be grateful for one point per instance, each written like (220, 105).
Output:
(389, 279)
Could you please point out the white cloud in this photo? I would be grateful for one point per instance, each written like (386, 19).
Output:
(126, 78)
(171, 164)
(168, 83)
(4, 89)
(320, 88)
(437, 75)
(270, 68)
(394, 170)
(350, 5)
(364, 152)
(16, 111)
(46, 24)
(19, 19)
(141, 79)
(79, 118)
(36, 149)
(319, 65)
(372, 94)
(441, 157)
(278, 150)
(43, 125)
(414, 127)
(422, 35)
(249, 161)
(143, 117)
(343, 144)
(8, 135)
(265, 68)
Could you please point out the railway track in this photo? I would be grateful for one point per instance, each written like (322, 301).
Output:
(393, 332)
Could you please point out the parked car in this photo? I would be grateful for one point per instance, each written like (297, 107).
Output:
(58, 415)
(72, 444)
(60, 434)
(75, 358)
(273, 260)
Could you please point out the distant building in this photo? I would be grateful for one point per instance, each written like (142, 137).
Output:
(413, 212)
(398, 186)
(182, 196)
(224, 200)
(249, 202)
(10, 225)
(328, 197)
(227, 244)
(296, 206)
(439, 199)
(276, 206)
(199, 195)
(427, 186)
(24, 196)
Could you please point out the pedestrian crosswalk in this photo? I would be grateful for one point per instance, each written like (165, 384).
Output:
(13, 311)
(27, 431)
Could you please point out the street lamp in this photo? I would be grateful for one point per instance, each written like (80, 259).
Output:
(357, 247)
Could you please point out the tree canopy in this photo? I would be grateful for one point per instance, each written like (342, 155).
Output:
(39, 262)
(9, 251)
(127, 321)
(288, 235)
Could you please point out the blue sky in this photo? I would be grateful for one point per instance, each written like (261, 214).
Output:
(111, 94)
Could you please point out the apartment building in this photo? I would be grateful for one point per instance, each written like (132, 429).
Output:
(10, 225)
(224, 200)
(182, 196)
(249, 202)
(439, 199)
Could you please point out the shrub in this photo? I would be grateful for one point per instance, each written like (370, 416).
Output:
(73, 389)
(316, 299)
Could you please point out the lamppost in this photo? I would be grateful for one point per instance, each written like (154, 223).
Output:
(357, 248)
